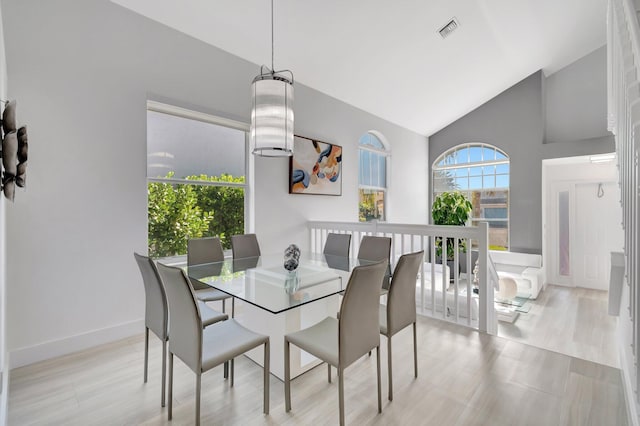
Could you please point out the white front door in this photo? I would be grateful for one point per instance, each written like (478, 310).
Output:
(597, 232)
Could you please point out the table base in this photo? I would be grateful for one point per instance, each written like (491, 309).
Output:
(277, 325)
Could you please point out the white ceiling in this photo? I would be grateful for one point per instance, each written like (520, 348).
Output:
(386, 57)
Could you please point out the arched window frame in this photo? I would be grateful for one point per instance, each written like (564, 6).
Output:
(384, 151)
(485, 177)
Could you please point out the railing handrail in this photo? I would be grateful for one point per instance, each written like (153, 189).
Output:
(412, 237)
(385, 227)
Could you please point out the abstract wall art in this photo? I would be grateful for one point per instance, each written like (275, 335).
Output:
(315, 167)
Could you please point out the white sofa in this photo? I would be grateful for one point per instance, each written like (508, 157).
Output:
(526, 269)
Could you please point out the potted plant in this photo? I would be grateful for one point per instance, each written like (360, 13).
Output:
(450, 208)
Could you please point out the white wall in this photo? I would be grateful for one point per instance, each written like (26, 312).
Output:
(4, 361)
(579, 169)
(82, 73)
(324, 118)
(573, 170)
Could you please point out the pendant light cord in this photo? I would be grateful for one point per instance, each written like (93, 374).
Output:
(272, 48)
(265, 72)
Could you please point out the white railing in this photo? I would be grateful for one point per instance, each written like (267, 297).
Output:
(623, 57)
(436, 296)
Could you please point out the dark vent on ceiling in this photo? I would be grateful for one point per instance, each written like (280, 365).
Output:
(450, 27)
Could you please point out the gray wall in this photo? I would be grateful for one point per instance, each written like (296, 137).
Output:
(514, 122)
(82, 72)
(576, 100)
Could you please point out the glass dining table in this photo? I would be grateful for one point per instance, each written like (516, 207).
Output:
(264, 283)
(278, 302)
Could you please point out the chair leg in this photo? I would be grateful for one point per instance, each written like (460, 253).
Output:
(231, 372)
(224, 310)
(146, 352)
(379, 381)
(389, 367)
(287, 379)
(341, 394)
(267, 370)
(329, 372)
(415, 351)
(170, 396)
(233, 307)
(164, 369)
(226, 369)
(198, 388)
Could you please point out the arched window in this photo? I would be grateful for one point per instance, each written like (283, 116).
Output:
(481, 172)
(372, 179)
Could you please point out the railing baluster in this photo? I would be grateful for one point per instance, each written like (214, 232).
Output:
(469, 278)
(456, 278)
(432, 269)
(623, 53)
(434, 297)
(422, 247)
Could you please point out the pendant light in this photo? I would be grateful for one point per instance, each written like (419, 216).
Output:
(272, 110)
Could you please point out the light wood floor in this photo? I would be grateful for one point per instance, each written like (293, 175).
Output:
(572, 321)
(465, 378)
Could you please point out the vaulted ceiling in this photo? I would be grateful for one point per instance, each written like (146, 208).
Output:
(387, 57)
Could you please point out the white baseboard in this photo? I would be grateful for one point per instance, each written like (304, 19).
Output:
(55, 348)
(629, 394)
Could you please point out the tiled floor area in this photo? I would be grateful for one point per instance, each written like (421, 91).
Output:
(572, 321)
(465, 378)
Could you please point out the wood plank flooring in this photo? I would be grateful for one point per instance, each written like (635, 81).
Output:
(465, 378)
(572, 321)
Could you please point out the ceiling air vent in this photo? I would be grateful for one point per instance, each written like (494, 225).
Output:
(450, 27)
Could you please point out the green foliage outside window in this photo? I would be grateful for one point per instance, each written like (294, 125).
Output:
(371, 205)
(450, 208)
(367, 207)
(178, 212)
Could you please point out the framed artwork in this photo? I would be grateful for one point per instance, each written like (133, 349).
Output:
(315, 167)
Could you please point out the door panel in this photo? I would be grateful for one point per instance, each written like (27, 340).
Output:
(560, 211)
(595, 233)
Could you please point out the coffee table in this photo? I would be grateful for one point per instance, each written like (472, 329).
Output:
(509, 310)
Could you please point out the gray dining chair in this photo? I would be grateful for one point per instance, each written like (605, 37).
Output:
(207, 250)
(376, 248)
(340, 342)
(245, 245)
(337, 244)
(156, 316)
(400, 310)
(203, 349)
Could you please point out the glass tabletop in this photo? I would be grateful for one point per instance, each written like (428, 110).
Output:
(263, 281)
(518, 303)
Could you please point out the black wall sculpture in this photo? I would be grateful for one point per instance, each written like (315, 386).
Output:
(14, 152)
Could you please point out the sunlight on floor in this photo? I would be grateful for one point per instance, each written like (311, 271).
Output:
(572, 321)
